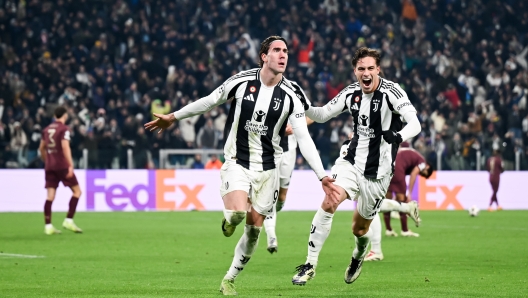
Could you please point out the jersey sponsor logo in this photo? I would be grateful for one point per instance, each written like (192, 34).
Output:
(363, 129)
(403, 105)
(363, 120)
(277, 102)
(259, 115)
(252, 89)
(300, 115)
(249, 97)
(257, 128)
(355, 107)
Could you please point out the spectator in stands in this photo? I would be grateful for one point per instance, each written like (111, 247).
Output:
(197, 163)
(451, 57)
(213, 163)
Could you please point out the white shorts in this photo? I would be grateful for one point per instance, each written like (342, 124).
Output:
(262, 187)
(369, 193)
(286, 167)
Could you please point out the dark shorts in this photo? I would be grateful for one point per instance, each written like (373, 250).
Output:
(398, 185)
(54, 177)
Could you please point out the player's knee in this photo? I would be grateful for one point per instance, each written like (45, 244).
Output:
(77, 193)
(234, 217)
(359, 230)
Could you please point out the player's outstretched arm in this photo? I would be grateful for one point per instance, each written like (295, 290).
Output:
(163, 122)
(309, 151)
(322, 114)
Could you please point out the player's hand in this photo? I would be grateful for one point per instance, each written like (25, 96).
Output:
(70, 172)
(162, 123)
(391, 137)
(289, 130)
(330, 189)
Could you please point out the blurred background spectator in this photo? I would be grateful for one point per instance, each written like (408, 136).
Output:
(113, 63)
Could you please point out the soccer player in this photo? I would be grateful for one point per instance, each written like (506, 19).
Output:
(262, 103)
(495, 167)
(364, 173)
(408, 162)
(56, 154)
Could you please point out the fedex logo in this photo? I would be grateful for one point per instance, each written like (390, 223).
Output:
(439, 195)
(118, 193)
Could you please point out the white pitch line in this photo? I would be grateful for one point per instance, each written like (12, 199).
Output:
(20, 256)
(479, 227)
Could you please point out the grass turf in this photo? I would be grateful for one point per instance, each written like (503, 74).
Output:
(184, 254)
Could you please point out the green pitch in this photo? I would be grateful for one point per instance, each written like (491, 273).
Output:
(184, 254)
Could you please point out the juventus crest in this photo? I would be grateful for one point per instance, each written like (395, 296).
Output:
(276, 102)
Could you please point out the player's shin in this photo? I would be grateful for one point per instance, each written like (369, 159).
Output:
(269, 225)
(375, 227)
(47, 212)
(234, 218)
(321, 226)
(361, 245)
(72, 207)
(244, 249)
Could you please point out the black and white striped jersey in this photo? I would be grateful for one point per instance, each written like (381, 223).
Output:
(257, 119)
(372, 113)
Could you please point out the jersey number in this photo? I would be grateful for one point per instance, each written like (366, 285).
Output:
(51, 132)
(378, 203)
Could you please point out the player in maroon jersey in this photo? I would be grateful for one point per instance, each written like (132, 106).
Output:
(408, 162)
(56, 154)
(495, 168)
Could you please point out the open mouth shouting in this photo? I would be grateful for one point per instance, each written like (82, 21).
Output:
(367, 82)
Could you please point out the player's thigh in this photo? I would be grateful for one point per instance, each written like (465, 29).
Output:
(235, 186)
(371, 195)
(264, 190)
(345, 176)
(286, 168)
(68, 181)
(52, 179)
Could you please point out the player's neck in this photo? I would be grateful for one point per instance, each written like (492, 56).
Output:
(269, 78)
(60, 120)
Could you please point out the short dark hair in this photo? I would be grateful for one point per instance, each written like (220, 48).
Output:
(265, 46)
(59, 112)
(429, 171)
(366, 52)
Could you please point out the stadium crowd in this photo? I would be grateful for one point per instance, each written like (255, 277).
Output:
(462, 63)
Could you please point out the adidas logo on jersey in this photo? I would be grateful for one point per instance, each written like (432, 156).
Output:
(355, 107)
(249, 97)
